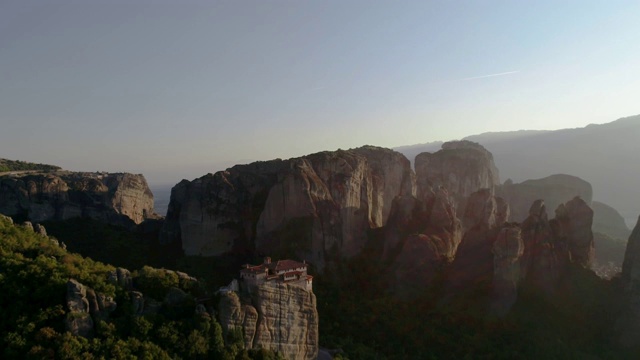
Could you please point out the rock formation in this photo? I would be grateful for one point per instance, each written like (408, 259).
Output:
(112, 198)
(278, 317)
(86, 307)
(309, 206)
(507, 252)
(462, 167)
(578, 217)
(78, 320)
(608, 221)
(427, 234)
(629, 322)
(554, 190)
(552, 245)
(474, 261)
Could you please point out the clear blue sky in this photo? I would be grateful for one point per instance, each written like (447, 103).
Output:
(175, 89)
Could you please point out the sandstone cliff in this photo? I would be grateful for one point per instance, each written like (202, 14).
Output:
(474, 261)
(112, 198)
(421, 238)
(462, 167)
(309, 206)
(278, 317)
(552, 245)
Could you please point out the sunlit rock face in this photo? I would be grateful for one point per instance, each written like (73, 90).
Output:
(309, 207)
(462, 167)
(117, 198)
(278, 317)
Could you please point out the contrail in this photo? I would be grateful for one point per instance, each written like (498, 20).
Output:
(490, 75)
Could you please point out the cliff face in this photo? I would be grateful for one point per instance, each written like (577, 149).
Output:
(63, 195)
(554, 190)
(309, 206)
(278, 317)
(552, 245)
(507, 254)
(462, 167)
(629, 322)
(425, 236)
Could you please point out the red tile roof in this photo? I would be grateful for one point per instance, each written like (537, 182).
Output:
(285, 265)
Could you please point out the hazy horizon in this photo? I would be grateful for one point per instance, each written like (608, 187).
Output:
(175, 90)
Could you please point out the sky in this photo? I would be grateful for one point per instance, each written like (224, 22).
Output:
(177, 89)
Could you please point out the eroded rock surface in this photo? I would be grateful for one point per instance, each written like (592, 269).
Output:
(462, 167)
(629, 322)
(113, 198)
(309, 206)
(427, 234)
(278, 317)
(507, 252)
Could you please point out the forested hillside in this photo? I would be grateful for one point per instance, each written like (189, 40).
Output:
(43, 296)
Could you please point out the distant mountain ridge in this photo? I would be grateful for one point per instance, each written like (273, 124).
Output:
(605, 155)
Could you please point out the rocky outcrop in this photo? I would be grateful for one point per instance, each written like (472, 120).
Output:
(554, 190)
(113, 198)
(309, 206)
(278, 317)
(420, 238)
(575, 219)
(608, 221)
(629, 322)
(121, 277)
(86, 307)
(462, 167)
(552, 245)
(507, 252)
(474, 261)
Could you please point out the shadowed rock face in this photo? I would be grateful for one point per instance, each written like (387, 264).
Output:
(629, 323)
(474, 261)
(463, 167)
(279, 317)
(552, 245)
(425, 236)
(554, 190)
(607, 220)
(308, 206)
(631, 264)
(507, 253)
(580, 235)
(112, 198)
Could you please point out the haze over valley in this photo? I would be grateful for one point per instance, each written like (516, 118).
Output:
(319, 180)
